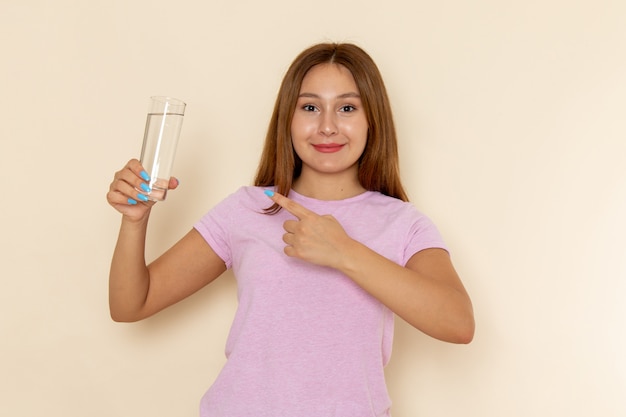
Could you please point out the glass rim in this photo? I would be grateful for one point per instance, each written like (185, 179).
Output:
(168, 99)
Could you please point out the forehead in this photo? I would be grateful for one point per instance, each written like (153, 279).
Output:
(329, 77)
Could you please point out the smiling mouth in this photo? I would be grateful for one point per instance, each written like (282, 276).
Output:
(328, 147)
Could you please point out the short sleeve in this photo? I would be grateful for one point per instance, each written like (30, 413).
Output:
(423, 234)
(215, 228)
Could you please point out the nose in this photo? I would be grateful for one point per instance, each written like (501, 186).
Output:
(328, 124)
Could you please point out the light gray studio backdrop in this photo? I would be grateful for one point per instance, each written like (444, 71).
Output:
(512, 124)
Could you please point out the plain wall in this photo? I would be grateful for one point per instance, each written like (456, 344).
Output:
(512, 125)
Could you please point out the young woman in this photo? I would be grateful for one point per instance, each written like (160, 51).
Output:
(325, 249)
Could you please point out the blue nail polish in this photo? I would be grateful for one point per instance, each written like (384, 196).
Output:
(132, 202)
(145, 175)
(142, 197)
(145, 187)
(269, 193)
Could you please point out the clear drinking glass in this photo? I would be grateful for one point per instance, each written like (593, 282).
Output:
(165, 119)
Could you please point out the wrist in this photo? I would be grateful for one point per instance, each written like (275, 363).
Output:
(349, 257)
(139, 223)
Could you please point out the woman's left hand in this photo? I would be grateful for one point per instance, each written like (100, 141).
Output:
(318, 239)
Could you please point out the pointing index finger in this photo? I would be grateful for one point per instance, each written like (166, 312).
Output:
(291, 206)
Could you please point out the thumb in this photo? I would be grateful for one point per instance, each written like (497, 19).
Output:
(173, 184)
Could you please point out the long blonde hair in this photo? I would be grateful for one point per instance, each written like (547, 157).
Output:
(379, 163)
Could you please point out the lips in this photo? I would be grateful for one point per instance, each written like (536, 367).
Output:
(328, 147)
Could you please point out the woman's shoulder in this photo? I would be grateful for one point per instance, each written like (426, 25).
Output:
(253, 195)
(245, 197)
(244, 201)
(248, 193)
(386, 202)
(397, 211)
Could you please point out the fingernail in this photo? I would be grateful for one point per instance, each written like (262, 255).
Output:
(269, 193)
(145, 187)
(142, 197)
(132, 202)
(145, 175)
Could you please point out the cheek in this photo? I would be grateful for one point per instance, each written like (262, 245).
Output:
(298, 140)
(357, 133)
(299, 128)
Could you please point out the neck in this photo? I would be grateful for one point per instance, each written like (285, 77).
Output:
(327, 187)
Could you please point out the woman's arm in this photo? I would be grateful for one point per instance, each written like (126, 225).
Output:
(427, 292)
(137, 290)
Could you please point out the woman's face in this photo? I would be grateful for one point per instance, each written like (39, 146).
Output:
(329, 125)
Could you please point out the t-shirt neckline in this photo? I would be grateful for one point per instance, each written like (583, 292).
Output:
(302, 198)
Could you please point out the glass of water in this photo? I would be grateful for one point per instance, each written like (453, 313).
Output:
(165, 119)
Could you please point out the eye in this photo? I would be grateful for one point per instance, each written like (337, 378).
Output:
(348, 108)
(309, 107)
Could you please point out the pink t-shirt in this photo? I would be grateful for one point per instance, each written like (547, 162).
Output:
(306, 341)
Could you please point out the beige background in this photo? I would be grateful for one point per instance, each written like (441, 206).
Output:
(512, 121)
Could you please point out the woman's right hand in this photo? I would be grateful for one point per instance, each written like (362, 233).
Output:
(123, 193)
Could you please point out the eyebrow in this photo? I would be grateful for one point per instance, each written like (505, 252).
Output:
(344, 95)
